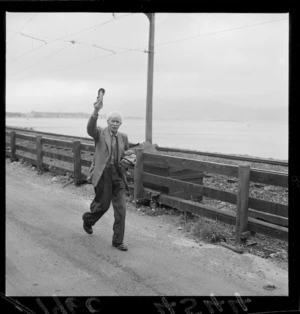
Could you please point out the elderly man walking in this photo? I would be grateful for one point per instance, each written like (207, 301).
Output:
(107, 178)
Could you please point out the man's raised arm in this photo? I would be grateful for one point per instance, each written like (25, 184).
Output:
(92, 123)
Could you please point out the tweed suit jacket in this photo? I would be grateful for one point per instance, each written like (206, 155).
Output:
(102, 140)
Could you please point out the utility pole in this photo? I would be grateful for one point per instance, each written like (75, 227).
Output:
(149, 110)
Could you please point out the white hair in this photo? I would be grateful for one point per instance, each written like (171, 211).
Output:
(114, 114)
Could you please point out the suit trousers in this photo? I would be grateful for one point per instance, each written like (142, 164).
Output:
(110, 188)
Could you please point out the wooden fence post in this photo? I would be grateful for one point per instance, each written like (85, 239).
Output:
(39, 152)
(138, 175)
(12, 145)
(242, 201)
(77, 161)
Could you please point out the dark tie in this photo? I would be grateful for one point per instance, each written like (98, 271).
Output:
(115, 152)
(114, 149)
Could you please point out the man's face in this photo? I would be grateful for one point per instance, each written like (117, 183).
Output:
(114, 124)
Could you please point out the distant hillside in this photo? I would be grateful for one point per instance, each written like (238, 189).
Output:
(15, 114)
(41, 114)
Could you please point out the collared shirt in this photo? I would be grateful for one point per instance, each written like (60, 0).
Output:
(114, 148)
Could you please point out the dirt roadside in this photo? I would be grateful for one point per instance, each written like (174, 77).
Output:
(49, 254)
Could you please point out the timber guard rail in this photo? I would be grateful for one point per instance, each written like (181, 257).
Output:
(172, 181)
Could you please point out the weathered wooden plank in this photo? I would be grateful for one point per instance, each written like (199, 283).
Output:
(77, 161)
(192, 188)
(229, 197)
(242, 201)
(156, 169)
(39, 152)
(186, 163)
(173, 183)
(269, 177)
(268, 207)
(58, 156)
(189, 176)
(29, 159)
(86, 163)
(26, 137)
(88, 147)
(138, 175)
(193, 207)
(158, 188)
(220, 195)
(277, 220)
(176, 193)
(12, 145)
(86, 140)
(26, 149)
(267, 228)
(57, 142)
(254, 225)
(47, 134)
(224, 156)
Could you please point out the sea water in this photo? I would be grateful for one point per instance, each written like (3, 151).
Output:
(262, 139)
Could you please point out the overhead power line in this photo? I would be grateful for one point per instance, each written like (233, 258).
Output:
(112, 51)
(104, 48)
(45, 43)
(76, 42)
(34, 38)
(94, 26)
(218, 32)
(81, 63)
(31, 18)
(63, 37)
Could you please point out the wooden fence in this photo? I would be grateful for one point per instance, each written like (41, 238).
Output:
(251, 214)
(161, 149)
(42, 147)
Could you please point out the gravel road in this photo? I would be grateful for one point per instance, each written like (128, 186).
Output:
(49, 254)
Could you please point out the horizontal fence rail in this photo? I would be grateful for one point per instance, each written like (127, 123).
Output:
(269, 177)
(58, 143)
(225, 156)
(41, 149)
(268, 207)
(52, 135)
(164, 149)
(25, 149)
(26, 137)
(197, 165)
(88, 147)
(272, 218)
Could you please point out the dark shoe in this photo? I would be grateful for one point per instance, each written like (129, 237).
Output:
(87, 228)
(121, 246)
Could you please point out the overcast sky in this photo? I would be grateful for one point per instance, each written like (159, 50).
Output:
(205, 65)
